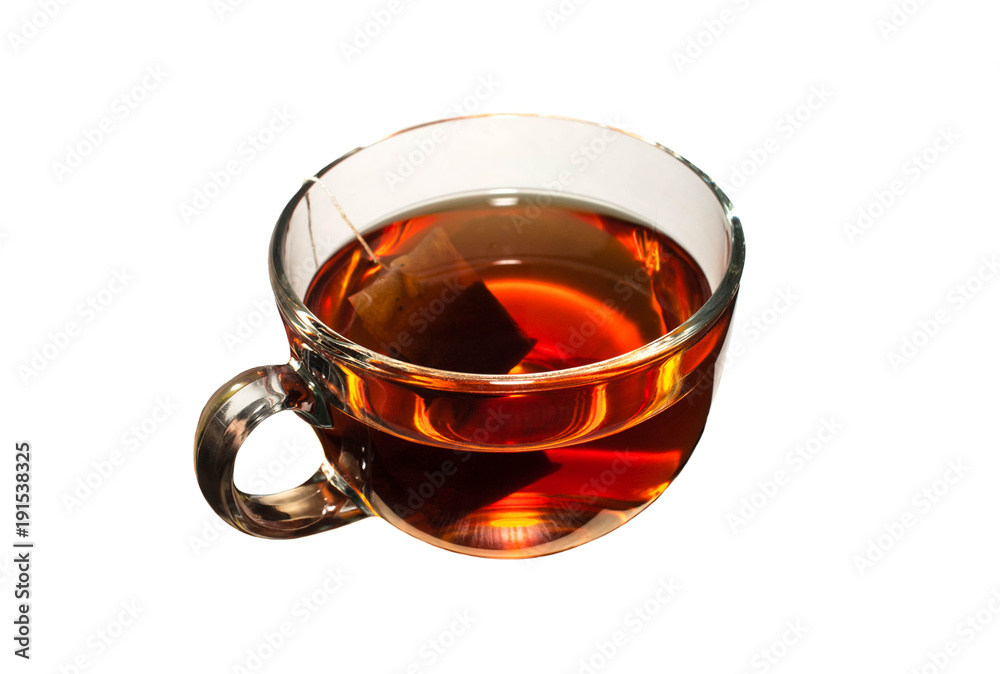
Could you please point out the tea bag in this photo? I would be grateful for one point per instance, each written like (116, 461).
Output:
(429, 307)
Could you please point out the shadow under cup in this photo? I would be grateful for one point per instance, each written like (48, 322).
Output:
(508, 466)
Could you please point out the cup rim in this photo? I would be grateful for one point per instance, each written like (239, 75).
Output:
(320, 335)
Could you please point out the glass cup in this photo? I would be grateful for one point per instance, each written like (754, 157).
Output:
(616, 432)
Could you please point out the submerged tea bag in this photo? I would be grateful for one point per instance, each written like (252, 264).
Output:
(429, 307)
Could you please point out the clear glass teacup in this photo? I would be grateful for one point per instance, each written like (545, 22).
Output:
(574, 440)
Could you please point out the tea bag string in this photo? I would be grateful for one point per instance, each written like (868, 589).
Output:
(357, 234)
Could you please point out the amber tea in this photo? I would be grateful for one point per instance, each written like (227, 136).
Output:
(516, 284)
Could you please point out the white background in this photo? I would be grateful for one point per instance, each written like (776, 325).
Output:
(816, 555)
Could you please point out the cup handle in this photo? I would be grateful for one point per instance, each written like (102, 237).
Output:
(322, 502)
